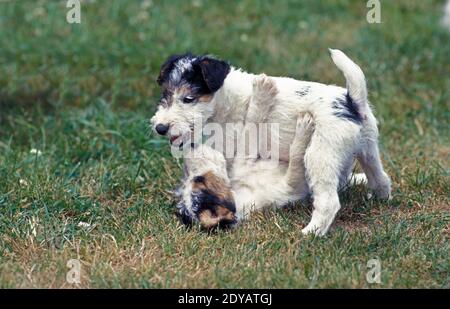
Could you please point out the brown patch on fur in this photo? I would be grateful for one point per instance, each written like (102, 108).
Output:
(205, 98)
(214, 184)
(225, 213)
(184, 90)
(208, 220)
(212, 217)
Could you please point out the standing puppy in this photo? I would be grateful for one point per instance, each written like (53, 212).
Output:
(202, 87)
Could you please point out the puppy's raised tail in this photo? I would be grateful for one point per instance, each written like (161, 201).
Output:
(356, 81)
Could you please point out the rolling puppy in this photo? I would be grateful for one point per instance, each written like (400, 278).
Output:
(203, 87)
(213, 195)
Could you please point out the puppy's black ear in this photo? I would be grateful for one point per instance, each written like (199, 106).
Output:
(214, 72)
(167, 67)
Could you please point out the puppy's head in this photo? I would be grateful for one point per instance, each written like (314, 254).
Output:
(209, 202)
(189, 84)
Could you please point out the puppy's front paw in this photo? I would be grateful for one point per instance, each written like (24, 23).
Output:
(265, 86)
(305, 124)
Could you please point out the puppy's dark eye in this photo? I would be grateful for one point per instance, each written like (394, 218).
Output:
(188, 100)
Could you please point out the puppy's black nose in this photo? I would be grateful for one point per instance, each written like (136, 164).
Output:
(162, 129)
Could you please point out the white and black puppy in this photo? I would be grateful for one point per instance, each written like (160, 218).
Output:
(202, 87)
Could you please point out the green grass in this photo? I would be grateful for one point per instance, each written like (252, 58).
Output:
(83, 94)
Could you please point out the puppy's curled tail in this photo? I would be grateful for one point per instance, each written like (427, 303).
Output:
(356, 81)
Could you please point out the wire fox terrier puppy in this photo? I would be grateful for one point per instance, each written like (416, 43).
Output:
(206, 88)
(213, 195)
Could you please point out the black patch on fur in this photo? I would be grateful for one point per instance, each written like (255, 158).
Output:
(199, 179)
(201, 201)
(168, 66)
(195, 79)
(213, 71)
(205, 76)
(208, 201)
(303, 91)
(347, 109)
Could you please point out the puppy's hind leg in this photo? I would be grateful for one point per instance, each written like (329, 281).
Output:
(378, 181)
(369, 158)
(324, 157)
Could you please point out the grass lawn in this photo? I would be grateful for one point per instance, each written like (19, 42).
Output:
(81, 96)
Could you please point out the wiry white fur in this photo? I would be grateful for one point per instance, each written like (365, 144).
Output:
(335, 143)
(254, 183)
(180, 67)
(261, 183)
(182, 117)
